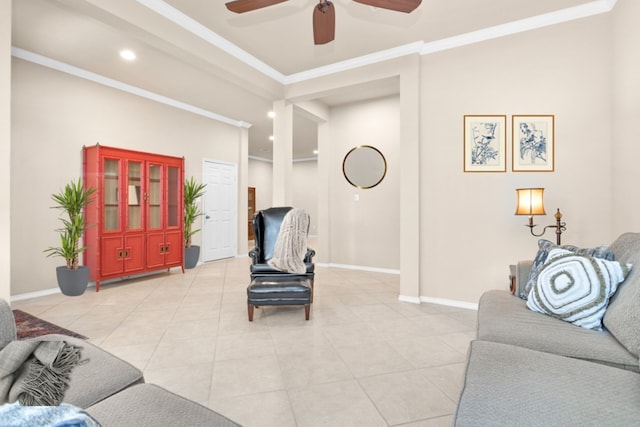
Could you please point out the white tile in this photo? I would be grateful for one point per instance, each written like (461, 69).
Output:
(239, 377)
(257, 410)
(406, 397)
(342, 403)
(363, 359)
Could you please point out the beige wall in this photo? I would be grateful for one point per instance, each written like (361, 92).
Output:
(469, 234)
(304, 186)
(5, 149)
(579, 71)
(261, 177)
(53, 116)
(366, 232)
(626, 114)
(351, 241)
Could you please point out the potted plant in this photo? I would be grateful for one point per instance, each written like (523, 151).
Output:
(72, 278)
(192, 191)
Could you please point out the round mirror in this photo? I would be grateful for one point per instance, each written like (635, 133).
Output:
(364, 166)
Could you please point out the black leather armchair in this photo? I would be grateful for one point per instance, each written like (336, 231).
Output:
(266, 226)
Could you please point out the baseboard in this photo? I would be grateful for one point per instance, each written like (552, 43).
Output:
(406, 298)
(36, 294)
(450, 303)
(359, 267)
(439, 301)
(43, 293)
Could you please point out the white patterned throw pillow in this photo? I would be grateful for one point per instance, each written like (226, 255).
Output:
(576, 288)
(546, 246)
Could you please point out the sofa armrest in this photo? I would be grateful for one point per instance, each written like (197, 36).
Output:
(99, 375)
(7, 322)
(522, 274)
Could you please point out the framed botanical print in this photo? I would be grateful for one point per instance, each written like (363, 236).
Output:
(533, 143)
(485, 143)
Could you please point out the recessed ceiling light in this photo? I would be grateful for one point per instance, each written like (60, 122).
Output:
(127, 55)
(270, 137)
(271, 114)
(315, 152)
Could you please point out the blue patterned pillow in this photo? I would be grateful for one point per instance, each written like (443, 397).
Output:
(576, 288)
(545, 246)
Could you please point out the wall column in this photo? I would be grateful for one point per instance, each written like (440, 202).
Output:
(410, 229)
(5, 150)
(243, 184)
(323, 249)
(282, 153)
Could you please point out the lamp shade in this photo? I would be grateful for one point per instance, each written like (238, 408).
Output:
(530, 201)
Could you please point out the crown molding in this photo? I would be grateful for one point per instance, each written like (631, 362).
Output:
(260, 159)
(304, 159)
(520, 26)
(174, 15)
(116, 84)
(420, 47)
(359, 61)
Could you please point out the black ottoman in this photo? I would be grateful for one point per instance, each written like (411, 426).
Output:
(279, 291)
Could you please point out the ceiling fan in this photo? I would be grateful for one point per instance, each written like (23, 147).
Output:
(324, 16)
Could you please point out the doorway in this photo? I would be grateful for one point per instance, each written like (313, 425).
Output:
(220, 218)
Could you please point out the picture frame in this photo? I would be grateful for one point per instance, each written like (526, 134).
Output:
(533, 143)
(485, 146)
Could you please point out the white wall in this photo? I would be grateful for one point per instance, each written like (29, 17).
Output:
(469, 234)
(53, 116)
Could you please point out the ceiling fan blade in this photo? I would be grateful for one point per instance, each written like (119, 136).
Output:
(406, 6)
(242, 6)
(324, 23)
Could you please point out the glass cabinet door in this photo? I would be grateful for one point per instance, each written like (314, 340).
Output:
(134, 195)
(155, 196)
(111, 200)
(173, 196)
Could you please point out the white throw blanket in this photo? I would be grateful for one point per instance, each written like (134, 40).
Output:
(291, 244)
(64, 415)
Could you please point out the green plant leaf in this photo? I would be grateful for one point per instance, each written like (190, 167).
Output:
(192, 191)
(71, 200)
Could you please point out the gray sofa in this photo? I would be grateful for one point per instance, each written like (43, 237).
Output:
(529, 369)
(113, 391)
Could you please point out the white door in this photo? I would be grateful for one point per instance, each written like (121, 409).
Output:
(219, 229)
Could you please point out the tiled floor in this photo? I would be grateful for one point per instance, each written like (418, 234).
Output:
(363, 358)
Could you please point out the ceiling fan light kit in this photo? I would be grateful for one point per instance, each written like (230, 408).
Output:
(324, 15)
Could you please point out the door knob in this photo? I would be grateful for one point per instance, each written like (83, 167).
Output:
(207, 217)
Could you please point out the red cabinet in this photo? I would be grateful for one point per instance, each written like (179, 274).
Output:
(135, 221)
